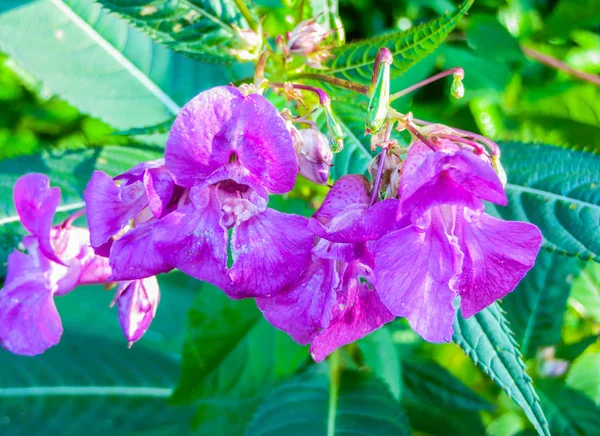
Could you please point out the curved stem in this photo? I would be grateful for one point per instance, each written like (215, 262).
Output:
(419, 136)
(71, 218)
(425, 82)
(559, 65)
(340, 83)
(323, 96)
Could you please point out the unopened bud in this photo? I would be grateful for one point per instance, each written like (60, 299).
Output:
(499, 169)
(314, 156)
(458, 90)
(336, 135)
(380, 97)
(307, 37)
(390, 166)
(249, 44)
(137, 301)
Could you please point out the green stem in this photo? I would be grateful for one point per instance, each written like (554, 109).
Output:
(243, 8)
(334, 390)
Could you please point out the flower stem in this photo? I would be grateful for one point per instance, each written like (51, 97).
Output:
(559, 65)
(340, 83)
(382, 156)
(419, 136)
(323, 96)
(243, 8)
(334, 390)
(422, 83)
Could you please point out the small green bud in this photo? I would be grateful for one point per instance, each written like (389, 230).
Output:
(499, 169)
(380, 97)
(458, 89)
(336, 135)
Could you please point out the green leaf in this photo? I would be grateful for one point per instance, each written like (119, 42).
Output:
(585, 294)
(99, 64)
(573, 350)
(231, 358)
(557, 190)
(535, 309)
(507, 424)
(487, 340)
(70, 171)
(359, 403)
(585, 377)
(491, 39)
(432, 384)
(201, 29)
(568, 15)
(355, 61)
(569, 412)
(91, 380)
(381, 355)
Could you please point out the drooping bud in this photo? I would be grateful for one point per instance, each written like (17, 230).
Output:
(390, 166)
(306, 37)
(314, 156)
(458, 89)
(380, 95)
(137, 301)
(336, 135)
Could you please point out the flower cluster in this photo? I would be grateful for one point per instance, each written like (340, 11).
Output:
(406, 244)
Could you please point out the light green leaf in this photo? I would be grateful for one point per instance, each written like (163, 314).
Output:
(91, 380)
(507, 424)
(99, 64)
(355, 61)
(585, 295)
(432, 384)
(231, 358)
(310, 404)
(558, 190)
(487, 340)
(70, 171)
(569, 412)
(585, 377)
(381, 355)
(201, 29)
(535, 309)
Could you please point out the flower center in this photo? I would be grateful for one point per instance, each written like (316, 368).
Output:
(238, 202)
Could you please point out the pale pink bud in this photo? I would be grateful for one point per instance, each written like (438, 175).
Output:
(137, 301)
(306, 37)
(314, 156)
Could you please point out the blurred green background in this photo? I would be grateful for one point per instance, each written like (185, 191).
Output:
(92, 383)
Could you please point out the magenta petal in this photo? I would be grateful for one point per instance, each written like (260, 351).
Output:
(457, 177)
(134, 256)
(220, 122)
(304, 308)
(498, 254)
(270, 252)
(348, 190)
(138, 301)
(107, 213)
(415, 271)
(194, 241)
(357, 312)
(36, 203)
(159, 188)
(29, 321)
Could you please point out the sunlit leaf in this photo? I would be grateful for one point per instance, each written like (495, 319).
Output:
(585, 377)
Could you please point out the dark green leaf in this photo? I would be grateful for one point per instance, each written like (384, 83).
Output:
(432, 384)
(491, 40)
(569, 412)
(355, 61)
(568, 15)
(535, 309)
(231, 358)
(487, 340)
(557, 190)
(381, 355)
(571, 351)
(202, 29)
(306, 405)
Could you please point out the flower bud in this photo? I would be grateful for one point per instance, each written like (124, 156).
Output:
(458, 90)
(137, 301)
(314, 156)
(336, 136)
(390, 166)
(249, 44)
(307, 37)
(380, 97)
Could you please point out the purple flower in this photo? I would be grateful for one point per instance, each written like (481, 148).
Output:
(451, 248)
(230, 151)
(121, 215)
(335, 301)
(58, 258)
(137, 301)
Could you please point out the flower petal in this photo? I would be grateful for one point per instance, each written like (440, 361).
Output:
(349, 190)
(305, 307)
(134, 256)
(415, 270)
(270, 251)
(36, 203)
(193, 240)
(220, 122)
(456, 177)
(159, 188)
(107, 213)
(498, 254)
(138, 301)
(357, 312)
